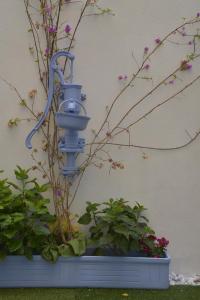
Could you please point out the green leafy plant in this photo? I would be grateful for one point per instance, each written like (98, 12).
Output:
(24, 216)
(27, 227)
(118, 228)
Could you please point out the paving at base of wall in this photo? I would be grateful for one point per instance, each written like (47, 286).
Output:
(179, 279)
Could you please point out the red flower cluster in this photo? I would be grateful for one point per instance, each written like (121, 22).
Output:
(162, 242)
(153, 246)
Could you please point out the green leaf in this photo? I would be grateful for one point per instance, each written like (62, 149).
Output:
(14, 245)
(50, 254)
(128, 220)
(85, 219)
(5, 220)
(17, 217)
(21, 174)
(82, 246)
(122, 230)
(54, 254)
(10, 233)
(42, 188)
(149, 230)
(41, 230)
(105, 240)
(14, 185)
(75, 246)
(149, 243)
(92, 207)
(122, 244)
(65, 250)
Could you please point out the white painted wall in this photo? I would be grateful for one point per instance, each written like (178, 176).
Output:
(167, 183)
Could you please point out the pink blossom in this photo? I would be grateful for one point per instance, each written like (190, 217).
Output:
(68, 28)
(58, 193)
(146, 67)
(47, 51)
(146, 49)
(48, 9)
(52, 29)
(189, 67)
(121, 77)
(185, 66)
(158, 41)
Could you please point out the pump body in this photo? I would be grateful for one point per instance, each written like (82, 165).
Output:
(71, 115)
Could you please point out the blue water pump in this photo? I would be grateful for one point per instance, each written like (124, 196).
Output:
(68, 116)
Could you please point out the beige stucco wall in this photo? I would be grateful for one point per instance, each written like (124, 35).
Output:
(167, 183)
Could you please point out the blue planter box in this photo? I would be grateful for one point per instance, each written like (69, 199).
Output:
(86, 271)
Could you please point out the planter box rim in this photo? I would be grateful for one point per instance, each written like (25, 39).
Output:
(125, 259)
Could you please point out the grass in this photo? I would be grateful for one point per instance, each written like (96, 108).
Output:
(174, 293)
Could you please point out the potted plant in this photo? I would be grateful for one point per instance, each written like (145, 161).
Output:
(128, 254)
(120, 251)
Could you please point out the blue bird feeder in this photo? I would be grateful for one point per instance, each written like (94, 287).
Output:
(71, 115)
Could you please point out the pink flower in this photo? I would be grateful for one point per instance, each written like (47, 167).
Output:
(52, 29)
(121, 77)
(47, 51)
(146, 67)
(171, 82)
(48, 10)
(185, 66)
(58, 193)
(190, 42)
(68, 28)
(146, 49)
(158, 41)
(198, 14)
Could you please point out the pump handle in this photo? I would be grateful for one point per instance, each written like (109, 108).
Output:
(52, 68)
